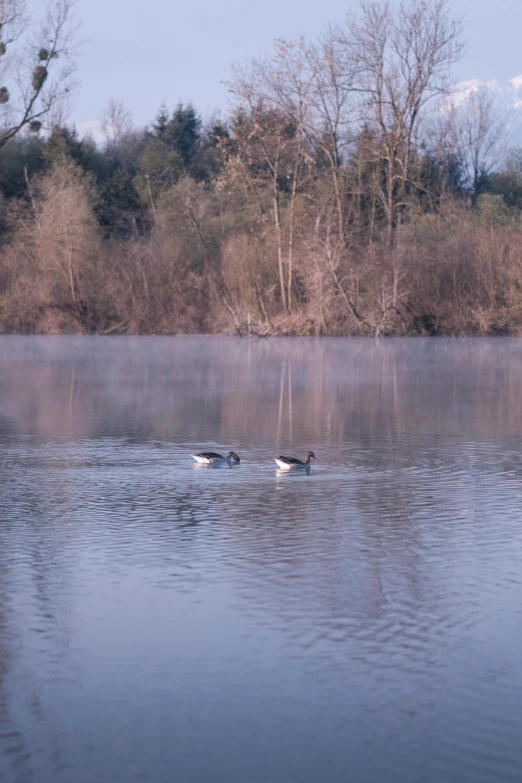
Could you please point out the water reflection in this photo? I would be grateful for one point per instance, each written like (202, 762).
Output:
(157, 615)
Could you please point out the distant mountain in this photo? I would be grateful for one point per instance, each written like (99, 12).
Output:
(508, 98)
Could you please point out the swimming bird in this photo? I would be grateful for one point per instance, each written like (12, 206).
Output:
(292, 463)
(213, 458)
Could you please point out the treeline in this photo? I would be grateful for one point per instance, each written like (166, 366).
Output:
(349, 190)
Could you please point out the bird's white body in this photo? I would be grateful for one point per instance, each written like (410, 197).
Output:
(287, 466)
(213, 458)
(209, 460)
(292, 463)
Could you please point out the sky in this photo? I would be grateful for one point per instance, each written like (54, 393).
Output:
(145, 52)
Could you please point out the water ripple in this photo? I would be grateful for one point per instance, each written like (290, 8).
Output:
(361, 619)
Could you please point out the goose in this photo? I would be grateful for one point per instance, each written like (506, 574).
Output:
(213, 458)
(292, 463)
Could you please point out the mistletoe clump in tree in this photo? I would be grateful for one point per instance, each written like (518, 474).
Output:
(37, 69)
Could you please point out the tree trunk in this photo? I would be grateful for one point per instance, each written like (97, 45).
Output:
(277, 222)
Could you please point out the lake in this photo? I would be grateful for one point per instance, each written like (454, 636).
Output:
(163, 622)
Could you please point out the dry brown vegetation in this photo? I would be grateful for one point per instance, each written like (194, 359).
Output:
(345, 195)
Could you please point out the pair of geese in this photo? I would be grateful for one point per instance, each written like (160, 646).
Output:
(285, 463)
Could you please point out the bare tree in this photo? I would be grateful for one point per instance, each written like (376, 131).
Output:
(66, 244)
(116, 122)
(124, 143)
(288, 82)
(262, 146)
(272, 108)
(401, 59)
(332, 109)
(37, 69)
(477, 126)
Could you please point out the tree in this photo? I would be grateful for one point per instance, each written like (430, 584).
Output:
(272, 110)
(23, 154)
(265, 140)
(214, 148)
(332, 99)
(507, 182)
(118, 208)
(182, 133)
(35, 79)
(161, 123)
(64, 242)
(116, 123)
(159, 168)
(478, 126)
(399, 60)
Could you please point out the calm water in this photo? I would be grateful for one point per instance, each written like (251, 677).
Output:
(160, 622)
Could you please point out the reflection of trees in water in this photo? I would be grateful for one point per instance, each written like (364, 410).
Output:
(326, 561)
(280, 391)
(372, 405)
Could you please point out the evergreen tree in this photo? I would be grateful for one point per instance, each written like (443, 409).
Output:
(161, 123)
(183, 133)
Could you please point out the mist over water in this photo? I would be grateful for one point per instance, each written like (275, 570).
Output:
(162, 621)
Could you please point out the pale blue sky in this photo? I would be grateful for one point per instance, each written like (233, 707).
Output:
(148, 51)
